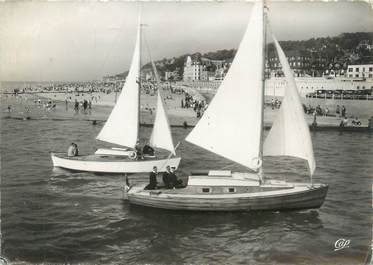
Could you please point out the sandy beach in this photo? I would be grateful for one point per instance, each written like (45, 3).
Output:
(103, 102)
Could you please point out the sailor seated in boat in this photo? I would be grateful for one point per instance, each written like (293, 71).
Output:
(73, 150)
(138, 151)
(148, 150)
(167, 178)
(175, 183)
(152, 180)
(356, 122)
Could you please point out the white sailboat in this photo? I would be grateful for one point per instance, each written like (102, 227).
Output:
(122, 128)
(232, 127)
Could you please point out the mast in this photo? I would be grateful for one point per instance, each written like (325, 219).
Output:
(260, 171)
(139, 81)
(122, 125)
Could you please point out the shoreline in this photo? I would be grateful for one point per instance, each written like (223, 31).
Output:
(177, 116)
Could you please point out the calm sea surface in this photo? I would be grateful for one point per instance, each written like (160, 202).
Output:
(57, 216)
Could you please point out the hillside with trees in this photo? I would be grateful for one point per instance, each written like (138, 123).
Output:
(342, 50)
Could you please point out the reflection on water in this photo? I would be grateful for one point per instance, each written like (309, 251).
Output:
(54, 215)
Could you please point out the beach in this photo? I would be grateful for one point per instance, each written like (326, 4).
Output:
(101, 106)
(103, 102)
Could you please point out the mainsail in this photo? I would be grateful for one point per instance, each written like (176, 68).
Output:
(122, 126)
(290, 135)
(232, 125)
(161, 136)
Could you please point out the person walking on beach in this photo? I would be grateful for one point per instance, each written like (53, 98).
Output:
(326, 111)
(152, 179)
(337, 110)
(85, 105)
(314, 123)
(343, 111)
(76, 106)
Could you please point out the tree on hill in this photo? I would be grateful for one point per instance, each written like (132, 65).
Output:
(342, 49)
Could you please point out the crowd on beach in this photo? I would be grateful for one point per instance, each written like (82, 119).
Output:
(80, 98)
(68, 87)
(39, 103)
(340, 112)
(199, 106)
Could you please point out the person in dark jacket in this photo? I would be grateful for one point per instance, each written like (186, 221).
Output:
(166, 178)
(148, 150)
(175, 183)
(152, 180)
(138, 150)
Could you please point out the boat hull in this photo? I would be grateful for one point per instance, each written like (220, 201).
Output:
(112, 164)
(299, 197)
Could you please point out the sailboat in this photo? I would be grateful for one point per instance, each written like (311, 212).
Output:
(236, 115)
(122, 128)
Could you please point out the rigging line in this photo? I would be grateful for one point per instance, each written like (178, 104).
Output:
(264, 25)
(151, 61)
(227, 166)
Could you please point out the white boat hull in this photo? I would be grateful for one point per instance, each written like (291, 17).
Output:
(114, 151)
(112, 164)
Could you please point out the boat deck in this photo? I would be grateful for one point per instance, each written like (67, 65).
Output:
(198, 190)
(104, 158)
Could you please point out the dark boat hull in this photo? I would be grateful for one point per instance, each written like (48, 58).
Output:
(300, 198)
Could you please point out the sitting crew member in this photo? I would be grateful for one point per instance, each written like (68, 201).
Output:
(176, 183)
(72, 150)
(167, 178)
(152, 180)
(148, 150)
(356, 122)
(138, 150)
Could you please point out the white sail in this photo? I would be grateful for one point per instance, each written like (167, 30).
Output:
(232, 125)
(122, 125)
(290, 135)
(161, 136)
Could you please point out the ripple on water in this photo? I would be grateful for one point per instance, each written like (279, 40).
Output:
(59, 216)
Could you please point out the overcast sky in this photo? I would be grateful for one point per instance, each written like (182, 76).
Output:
(43, 41)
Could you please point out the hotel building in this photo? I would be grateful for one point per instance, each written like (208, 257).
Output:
(360, 71)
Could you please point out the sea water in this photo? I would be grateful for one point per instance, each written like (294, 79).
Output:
(50, 215)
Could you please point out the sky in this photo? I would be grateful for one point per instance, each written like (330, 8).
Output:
(69, 41)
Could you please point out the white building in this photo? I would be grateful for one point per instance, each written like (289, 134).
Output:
(192, 70)
(171, 75)
(276, 86)
(360, 71)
